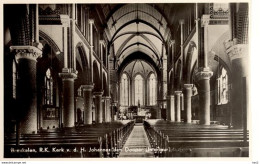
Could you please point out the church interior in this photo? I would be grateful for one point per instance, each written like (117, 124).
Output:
(126, 80)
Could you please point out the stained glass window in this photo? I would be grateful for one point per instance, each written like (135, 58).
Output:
(152, 89)
(48, 96)
(124, 90)
(138, 90)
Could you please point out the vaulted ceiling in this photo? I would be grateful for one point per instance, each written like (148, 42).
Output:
(138, 28)
(138, 67)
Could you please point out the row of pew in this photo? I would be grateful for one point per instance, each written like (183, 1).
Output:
(169, 139)
(100, 140)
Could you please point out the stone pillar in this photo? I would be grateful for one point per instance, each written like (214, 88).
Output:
(181, 22)
(26, 57)
(73, 32)
(238, 54)
(37, 24)
(170, 108)
(203, 78)
(205, 23)
(113, 105)
(187, 102)
(98, 104)
(68, 98)
(91, 24)
(101, 43)
(182, 107)
(107, 109)
(178, 105)
(65, 21)
(204, 74)
(103, 109)
(88, 100)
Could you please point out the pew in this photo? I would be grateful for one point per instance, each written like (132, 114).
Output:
(100, 140)
(180, 140)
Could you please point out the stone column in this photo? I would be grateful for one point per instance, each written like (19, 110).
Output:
(107, 109)
(91, 24)
(65, 21)
(26, 57)
(181, 22)
(204, 74)
(205, 23)
(88, 100)
(170, 108)
(68, 98)
(113, 105)
(238, 54)
(103, 109)
(178, 105)
(182, 107)
(73, 32)
(203, 78)
(98, 104)
(37, 24)
(187, 102)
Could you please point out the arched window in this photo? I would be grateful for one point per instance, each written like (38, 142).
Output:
(222, 87)
(124, 90)
(152, 89)
(48, 95)
(138, 90)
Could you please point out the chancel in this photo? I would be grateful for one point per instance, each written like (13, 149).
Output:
(126, 80)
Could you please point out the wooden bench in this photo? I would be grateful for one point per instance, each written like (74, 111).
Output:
(179, 139)
(88, 141)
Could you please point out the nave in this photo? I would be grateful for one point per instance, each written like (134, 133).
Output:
(91, 80)
(127, 139)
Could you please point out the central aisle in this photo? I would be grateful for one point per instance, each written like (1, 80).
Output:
(137, 144)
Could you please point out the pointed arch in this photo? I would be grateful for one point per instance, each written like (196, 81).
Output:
(96, 78)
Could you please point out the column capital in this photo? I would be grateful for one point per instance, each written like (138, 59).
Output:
(181, 21)
(204, 74)
(205, 20)
(87, 87)
(102, 42)
(237, 51)
(172, 42)
(99, 93)
(188, 86)
(26, 52)
(106, 97)
(170, 96)
(68, 76)
(91, 21)
(65, 20)
(178, 92)
(114, 103)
